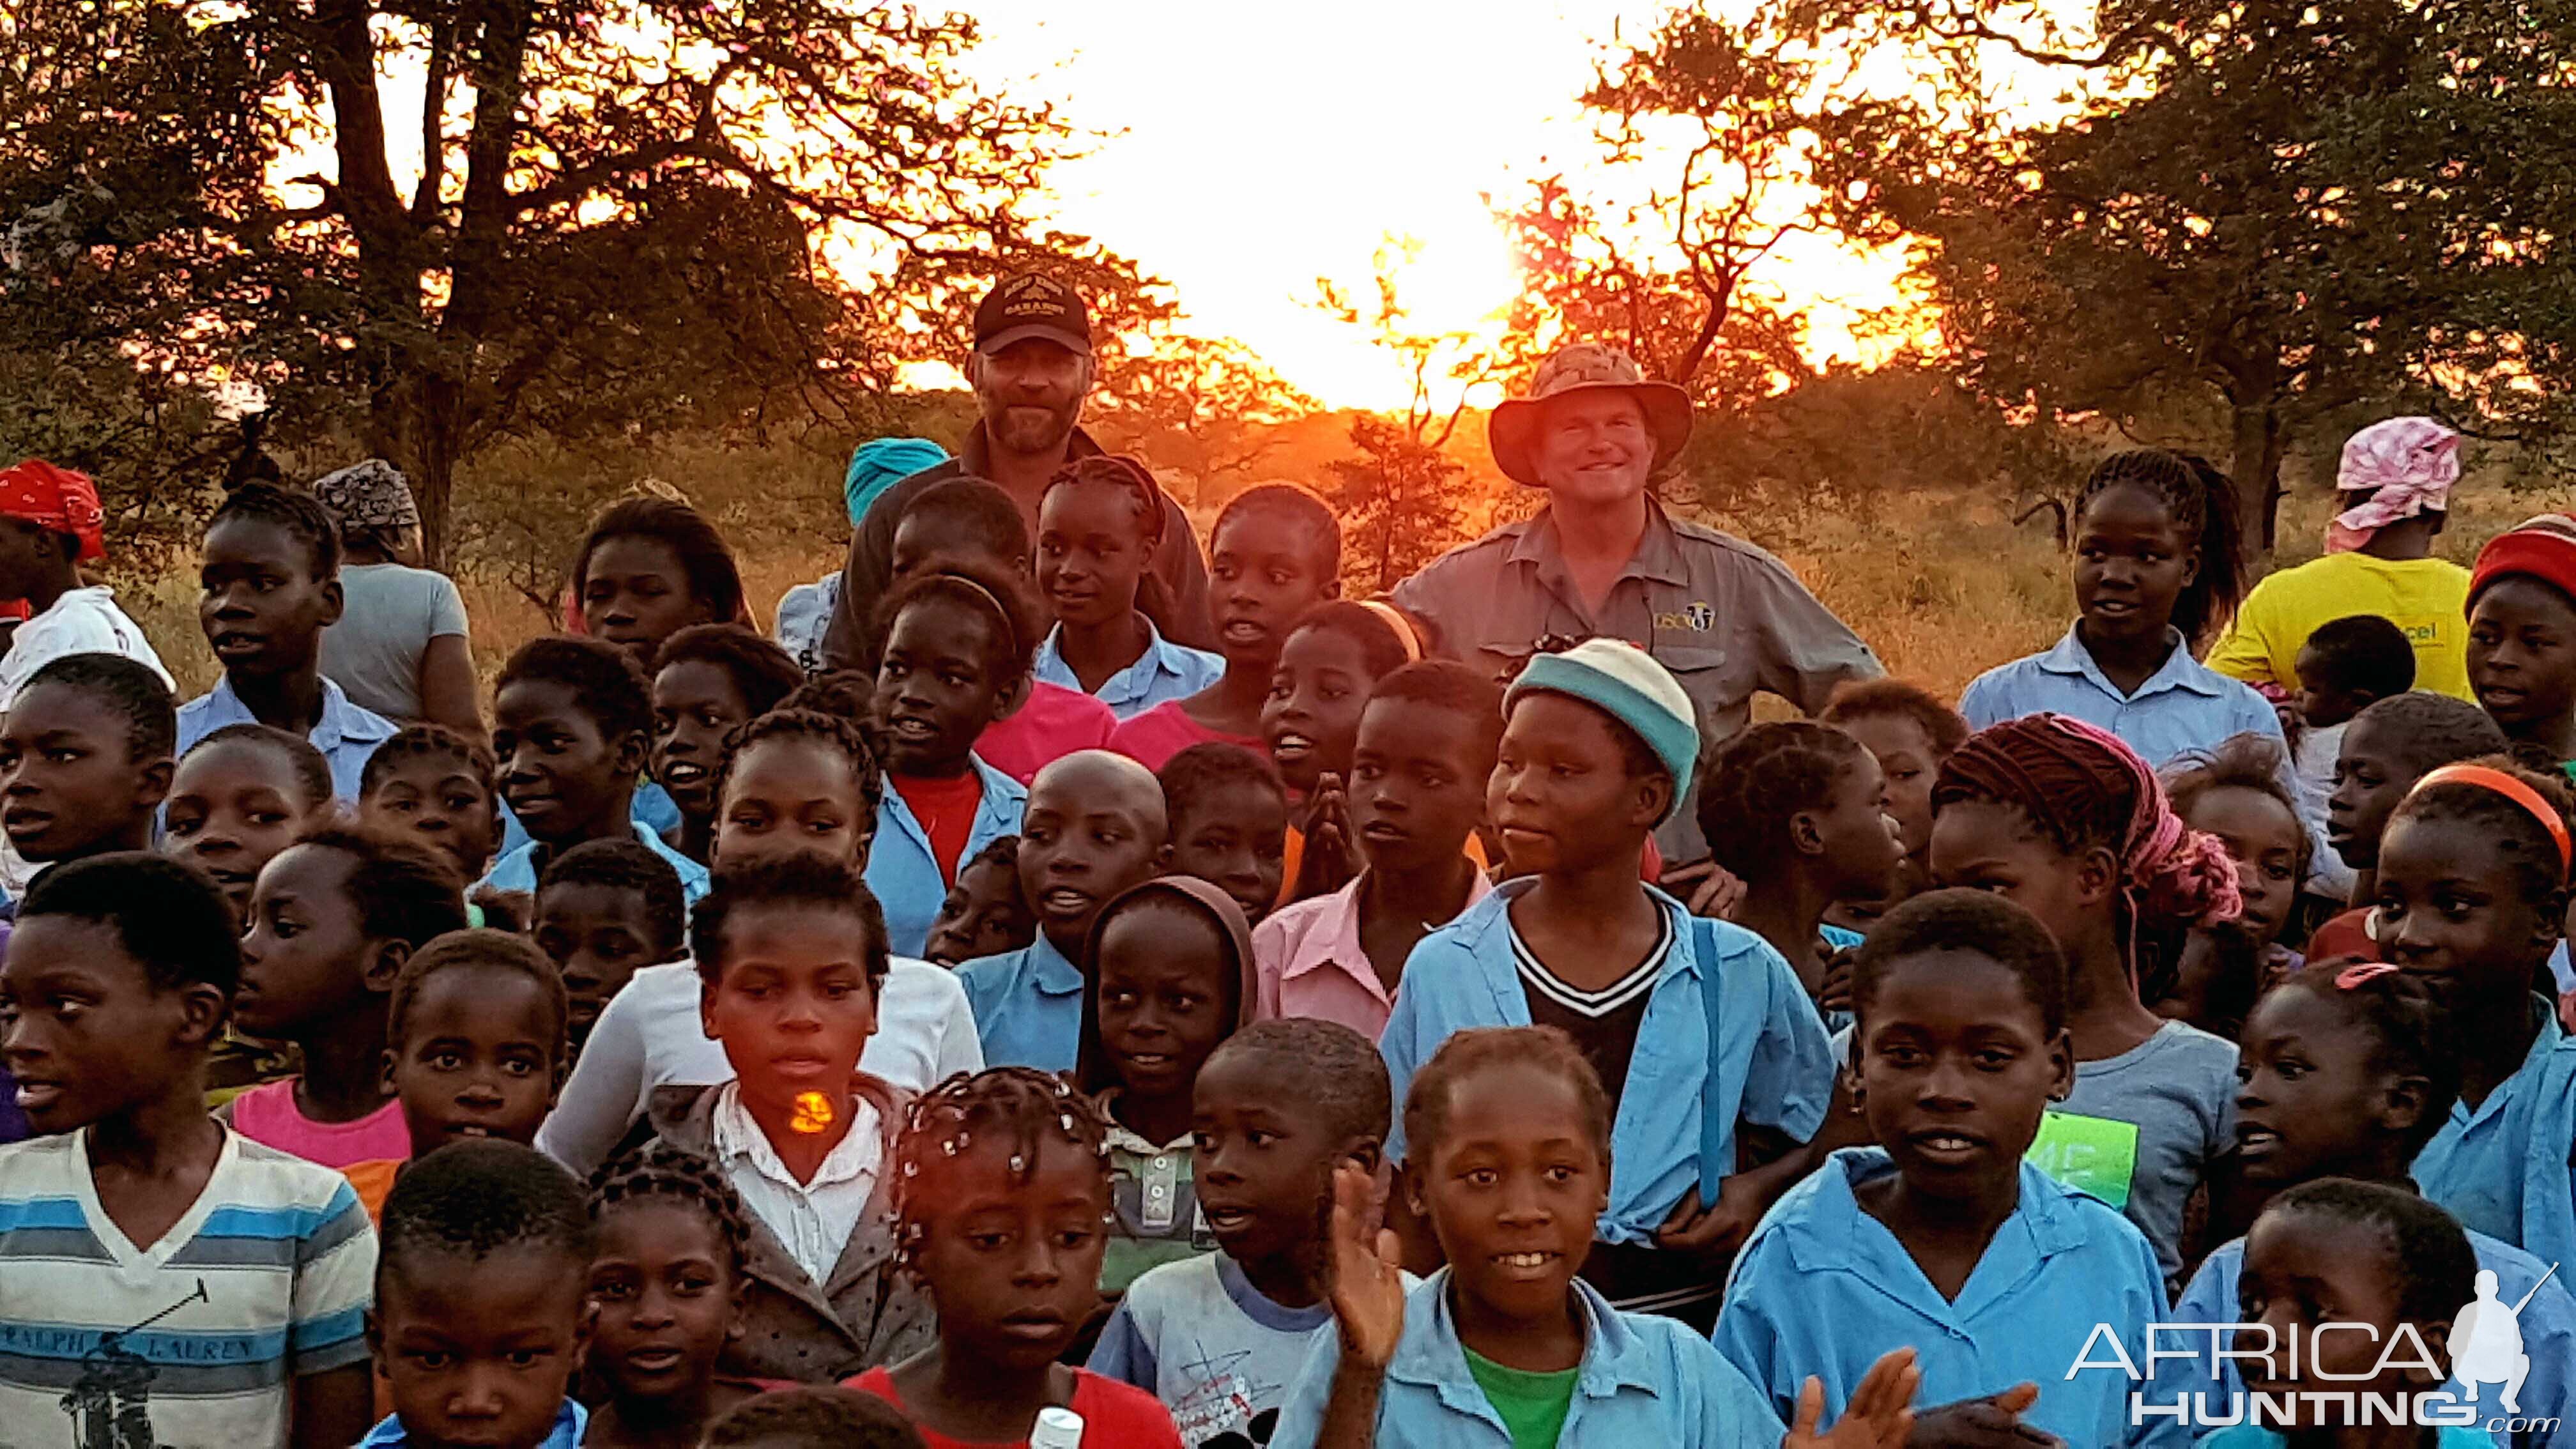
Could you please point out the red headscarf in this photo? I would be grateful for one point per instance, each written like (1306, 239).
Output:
(55, 498)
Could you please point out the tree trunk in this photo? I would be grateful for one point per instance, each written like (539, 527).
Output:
(2256, 448)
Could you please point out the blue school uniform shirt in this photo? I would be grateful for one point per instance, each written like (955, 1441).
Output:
(2548, 1324)
(1027, 1005)
(652, 807)
(1642, 1381)
(1164, 672)
(1772, 1064)
(2246, 1436)
(346, 734)
(571, 1421)
(905, 877)
(2181, 708)
(2503, 1168)
(1822, 1288)
(517, 871)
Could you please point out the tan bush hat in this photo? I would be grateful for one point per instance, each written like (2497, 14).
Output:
(1574, 368)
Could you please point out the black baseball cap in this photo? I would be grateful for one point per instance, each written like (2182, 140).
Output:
(1028, 305)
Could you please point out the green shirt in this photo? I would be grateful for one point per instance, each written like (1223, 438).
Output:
(1533, 1406)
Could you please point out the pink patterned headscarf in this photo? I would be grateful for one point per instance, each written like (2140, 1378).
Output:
(2411, 462)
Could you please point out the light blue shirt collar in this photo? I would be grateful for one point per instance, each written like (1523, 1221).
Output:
(571, 1421)
(1832, 1231)
(2180, 671)
(341, 720)
(1164, 671)
(1614, 1357)
(2533, 1064)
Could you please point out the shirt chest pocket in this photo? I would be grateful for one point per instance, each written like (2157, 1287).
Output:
(1702, 671)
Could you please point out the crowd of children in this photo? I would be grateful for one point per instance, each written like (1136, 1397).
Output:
(1060, 1030)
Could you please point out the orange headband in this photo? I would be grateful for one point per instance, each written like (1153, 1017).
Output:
(1402, 626)
(2487, 777)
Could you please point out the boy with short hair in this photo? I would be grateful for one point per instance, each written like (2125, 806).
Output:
(86, 756)
(162, 1279)
(791, 954)
(1699, 1030)
(474, 1039)
(1220, 1338)
(2346, 666)
(1095, 825)
(49, 523)
(2385, 749)
(1417, 792)
(270, 573)
(572, 725)
(1228, 810)
(480, 1317)
(605, 909)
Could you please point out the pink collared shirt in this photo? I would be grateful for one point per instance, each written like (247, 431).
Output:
(1307, 961)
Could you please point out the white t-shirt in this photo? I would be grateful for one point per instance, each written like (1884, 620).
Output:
(82, 621)
(649, 1036)
(281, 1248)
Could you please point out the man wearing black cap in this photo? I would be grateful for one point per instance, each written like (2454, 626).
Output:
(1031, 368)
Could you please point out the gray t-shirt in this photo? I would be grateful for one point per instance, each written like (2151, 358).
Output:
(393, 612)
(2178, 1089)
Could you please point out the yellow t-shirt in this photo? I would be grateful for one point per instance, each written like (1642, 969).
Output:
(2426, 597)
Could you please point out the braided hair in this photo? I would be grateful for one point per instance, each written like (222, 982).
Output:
(1020, 1104)
(2516, 832)
(795, 720)
(659, 1172)
(2202, 501)
(1760, 778)
(2411, 1033)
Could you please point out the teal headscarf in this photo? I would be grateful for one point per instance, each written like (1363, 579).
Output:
(880, 463)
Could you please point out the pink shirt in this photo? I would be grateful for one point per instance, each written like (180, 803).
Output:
(267, 1113)
(1054, 723)
(1307, 961)
(1153, 737)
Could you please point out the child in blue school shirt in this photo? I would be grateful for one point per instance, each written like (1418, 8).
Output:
(1506, 1346)
(1095, 826)
(1695, 1027)
(954, 658)
(479, 1319)
(2472, 893)
(1944, 1238)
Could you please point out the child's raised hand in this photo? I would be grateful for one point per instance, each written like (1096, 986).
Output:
(1327, 864)
(1879, 1415)
(1989, 1423)
(1364, 1282)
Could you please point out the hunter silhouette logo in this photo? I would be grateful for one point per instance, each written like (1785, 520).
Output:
(2486, 1342)
(110, 1404)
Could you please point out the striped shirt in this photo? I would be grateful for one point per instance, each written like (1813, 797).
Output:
(265, 1278)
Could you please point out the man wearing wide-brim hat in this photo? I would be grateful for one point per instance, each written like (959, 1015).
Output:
(1603, 558)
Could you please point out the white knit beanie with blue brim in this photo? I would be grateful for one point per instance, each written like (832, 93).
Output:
(1627, 683)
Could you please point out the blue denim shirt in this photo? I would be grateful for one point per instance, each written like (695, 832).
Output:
(1165, 671)
(1027, 1005)
(517, 871)
(1642, 1381)
(2503, 1167)
(571, 1422)
(2182, 708)
(1823, 1289)
(1771, 1057)
(906, 878)
(346, 734)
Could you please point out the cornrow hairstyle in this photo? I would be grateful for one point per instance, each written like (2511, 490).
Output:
(657, 1172)
(810, 716)
(126, 686)
(990, 593)
(1760, 778)
(704, 559)
(1119, 471)
(807, 1416)
(2428, 730)
(799, 878)
(2202, 501)
(2411, 1034)
(2537, 864)
(2242, 762)
(1461, 689)
(605, 681)
(763, 672)
(1021, 1105)
(626, 865)
(431, 741)
(2429, 1257)
(480, 949)
(1967, 920)
(1381, 651)
(311, 767)
(168, 916)
(1193, 774)
(1288, 506)
(1898, 699)
(480, 1197)
(1545, 1049)
(1321, 1068)
(974, 516)
(299, 514)
(401, 890)
(2363, 654)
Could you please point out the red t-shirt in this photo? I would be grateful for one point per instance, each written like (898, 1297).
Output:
(1152, 738)
(1054, 723)
(1112, 1413)
(946, 809)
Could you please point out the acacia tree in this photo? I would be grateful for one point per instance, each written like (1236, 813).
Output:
(621, 213)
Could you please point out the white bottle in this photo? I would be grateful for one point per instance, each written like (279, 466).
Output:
(1056, 1429)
